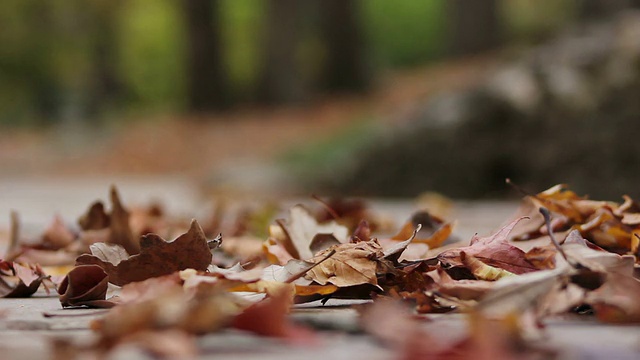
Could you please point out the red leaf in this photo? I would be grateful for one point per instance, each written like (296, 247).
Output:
(494, 250)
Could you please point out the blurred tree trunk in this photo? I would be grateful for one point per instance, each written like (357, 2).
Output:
(43, 80)
(206, 82)
(345, 67)
(107, 87)
(601, 9)
(474, 26)
(280, 80)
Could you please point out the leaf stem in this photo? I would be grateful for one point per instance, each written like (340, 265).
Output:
(298, 275)
(547, 219)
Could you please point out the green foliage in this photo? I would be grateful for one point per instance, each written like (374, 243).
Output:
(407, 32)
(242, 22)
(47, 55)
(529, 20)
(331, 154)
(152, 57)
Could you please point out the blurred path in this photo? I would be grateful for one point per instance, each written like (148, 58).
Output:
(243, 138)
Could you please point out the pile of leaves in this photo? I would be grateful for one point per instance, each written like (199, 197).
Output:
(561, 254)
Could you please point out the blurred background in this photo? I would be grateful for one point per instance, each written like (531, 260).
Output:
(345, 97)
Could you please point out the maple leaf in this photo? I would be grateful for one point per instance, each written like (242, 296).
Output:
(85, 285)
(494, 250)
(352, 264)
(157, 257)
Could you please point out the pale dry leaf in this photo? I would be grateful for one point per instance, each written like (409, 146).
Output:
(352, 264)
(301, 229)
(109, 252)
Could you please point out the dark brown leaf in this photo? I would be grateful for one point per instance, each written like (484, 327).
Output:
(95, 218)
(158, 257)
(121, 233)
(85, 285)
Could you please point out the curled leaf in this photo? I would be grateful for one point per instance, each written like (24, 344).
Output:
(85, 285)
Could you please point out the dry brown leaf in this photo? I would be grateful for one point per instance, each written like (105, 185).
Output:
(95, 218)
(616, 301)
(299, 231)
(158, 257)
(205, 310)
(352, 264)
(594, 258)
(269, 318)
(121, 233)
(17, 281)
(85, 285)
(57, 235)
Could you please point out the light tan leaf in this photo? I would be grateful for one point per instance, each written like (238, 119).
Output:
(109, 252)
(302, 228)
(352, 264)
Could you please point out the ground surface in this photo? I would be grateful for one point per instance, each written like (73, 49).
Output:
(26, 334)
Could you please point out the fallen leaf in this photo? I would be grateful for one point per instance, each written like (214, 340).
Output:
(57, 235)
(204, 310)
(111, 253)
(157, 257)
(461, 289)
(165, 344)
(434, 232)
(515, 294)
(121, 233)
(616, 301)
(17, 281)
(95, 218)
(494, 250)
(481, 270)
(594, 258)
(85, 285)
(269, 318)
(299, 231)
(352, 264)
